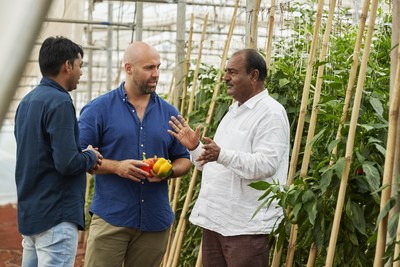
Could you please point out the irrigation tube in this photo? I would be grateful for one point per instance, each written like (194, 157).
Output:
(20, 23)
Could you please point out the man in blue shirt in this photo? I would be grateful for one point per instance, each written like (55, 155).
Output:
(50, 169)
(131, 210)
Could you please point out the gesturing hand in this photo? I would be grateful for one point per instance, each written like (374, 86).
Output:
(184, 133)
(210, 151)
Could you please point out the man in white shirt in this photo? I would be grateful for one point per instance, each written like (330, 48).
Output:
(251, 144)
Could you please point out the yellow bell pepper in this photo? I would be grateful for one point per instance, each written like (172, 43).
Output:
(162, 167)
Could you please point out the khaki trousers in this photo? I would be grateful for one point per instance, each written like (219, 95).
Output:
(110, 246)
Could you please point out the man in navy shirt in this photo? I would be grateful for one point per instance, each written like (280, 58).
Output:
(50, 169)
(131, 211)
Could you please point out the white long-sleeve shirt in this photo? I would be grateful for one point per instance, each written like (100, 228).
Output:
(254, 142)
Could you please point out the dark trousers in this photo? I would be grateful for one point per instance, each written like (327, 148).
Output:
(235, 251)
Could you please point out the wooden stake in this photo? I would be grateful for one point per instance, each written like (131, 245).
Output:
(187, 66)
(176, 244)
(196, 71)
(254, 22)
(353, 72)
(270, 33)
(388, 169)
(306, 91)
(350, 139)
(303, 111)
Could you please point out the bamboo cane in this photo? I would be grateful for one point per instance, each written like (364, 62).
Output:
(254, 24)
(303, 111)
(199, 258)
(182, 219)
(388, 168)
(169, 98)
(317, 93)
(397, 247)
(196, 71)
(222, 66)
(270, 33)
(191, 101)
(187, 65)
(313, 120)
(353, 73)
(176, 246)
(312, 255)
(350, 139)
(306, 91)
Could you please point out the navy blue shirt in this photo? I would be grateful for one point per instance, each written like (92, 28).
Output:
(110, 123)
(50, 169)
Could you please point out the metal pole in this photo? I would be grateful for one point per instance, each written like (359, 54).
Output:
(109, 47)
(90, 52)
(139, 21)
(28, 21)
(180, 51)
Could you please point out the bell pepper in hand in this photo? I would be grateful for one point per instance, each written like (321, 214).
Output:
(150, 162)
(162, 167)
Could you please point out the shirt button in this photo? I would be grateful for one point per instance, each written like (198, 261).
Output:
(141, 128)
(142, 200)
(141, 145)
(142, 182)
(133, 110)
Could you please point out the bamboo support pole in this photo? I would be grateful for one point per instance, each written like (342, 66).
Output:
(388, 168)
(292, 245)
(222, 66)
(306, 91)
(314, 113)
(186, 66)
(397, 247)
(270, 33)
(196, 71)
(350, 139)
(171, 86)
(317, 91)
(253, 31)
(199, 258)
(303, 111)
(353, 72)
(312, 255)
(176, 244)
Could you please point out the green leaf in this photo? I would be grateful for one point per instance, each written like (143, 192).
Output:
(260, 185)
(326, 180)
(339, 166)
(372, 175)
(357, 217)
(283, 82)
(377, 105)
(385, 211)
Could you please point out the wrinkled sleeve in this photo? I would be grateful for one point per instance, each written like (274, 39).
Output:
(62, 128)
(268, 150)
(89, 126)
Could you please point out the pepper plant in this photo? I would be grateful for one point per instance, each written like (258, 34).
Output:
(310, 201)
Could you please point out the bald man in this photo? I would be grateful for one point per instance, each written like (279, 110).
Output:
(131, 214)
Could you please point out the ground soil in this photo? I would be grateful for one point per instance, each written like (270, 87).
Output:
(10, 240)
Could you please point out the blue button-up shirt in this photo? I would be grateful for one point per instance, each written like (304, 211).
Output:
(51, 169)
(110, 123)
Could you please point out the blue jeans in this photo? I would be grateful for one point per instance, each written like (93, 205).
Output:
(54, 247)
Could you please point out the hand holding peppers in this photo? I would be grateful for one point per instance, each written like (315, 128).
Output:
(160, 166)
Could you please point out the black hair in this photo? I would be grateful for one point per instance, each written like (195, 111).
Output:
(254, 61)
(54, 52)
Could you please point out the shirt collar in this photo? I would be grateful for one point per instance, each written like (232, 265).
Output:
(50, 82)
(124, 96)
(252, 101)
